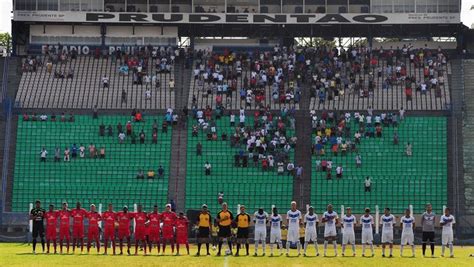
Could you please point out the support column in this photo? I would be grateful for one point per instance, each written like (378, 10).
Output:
(370, 39)
(103, 33)
(460, 41)
(191, 42)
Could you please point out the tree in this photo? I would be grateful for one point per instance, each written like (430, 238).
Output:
(6, 41)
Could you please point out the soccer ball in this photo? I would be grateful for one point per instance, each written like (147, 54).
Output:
(214, 248)
(227, 252)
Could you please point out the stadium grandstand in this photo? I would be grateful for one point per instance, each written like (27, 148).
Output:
(358, 103)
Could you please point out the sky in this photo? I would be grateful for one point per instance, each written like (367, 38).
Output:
(467, 15)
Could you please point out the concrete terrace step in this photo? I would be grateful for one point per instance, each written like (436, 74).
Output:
(85, 90)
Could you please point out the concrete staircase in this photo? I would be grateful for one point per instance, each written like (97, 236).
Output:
(468, 135)
(302, 187)
(7, 160)
(177, 180)
(11, 160)
(455, 138)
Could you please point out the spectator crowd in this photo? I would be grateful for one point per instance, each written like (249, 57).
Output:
(264, 141)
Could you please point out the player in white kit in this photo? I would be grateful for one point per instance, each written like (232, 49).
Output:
(330, 219)
(387, 221)
(311, 221)
(260, 220)
(293, 218)
(367, 222)
(447, 221)
(275, 231)
(407, 223)
(348, 236)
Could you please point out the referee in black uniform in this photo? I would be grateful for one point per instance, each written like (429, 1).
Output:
(224, 221)
(204, 223)
(37, 215)
(243, 223)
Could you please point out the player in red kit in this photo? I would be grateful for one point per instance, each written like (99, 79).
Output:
(78, 215)
(147, 234)
(93, 230)
(154, 228)
(109, 218)
(140, 229)
(64, 218)
(124, 217)
(182, 224)
(169, 221)
(51, 220)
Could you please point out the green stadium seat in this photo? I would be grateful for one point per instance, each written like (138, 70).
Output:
(249, 186)
(83, 179)
(397, 180)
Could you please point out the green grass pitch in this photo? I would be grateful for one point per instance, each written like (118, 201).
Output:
(15, 254)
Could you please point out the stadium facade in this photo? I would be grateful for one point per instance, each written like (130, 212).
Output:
(115, 23)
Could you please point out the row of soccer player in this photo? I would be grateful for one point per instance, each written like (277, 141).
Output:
(330, 219)
(149, 226)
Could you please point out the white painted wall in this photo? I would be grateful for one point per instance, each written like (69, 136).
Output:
(141, 31)
(65, 30)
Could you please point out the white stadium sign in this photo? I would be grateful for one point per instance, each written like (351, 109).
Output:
(213, 18)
